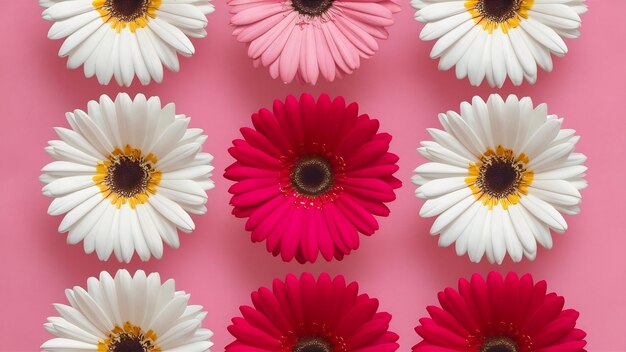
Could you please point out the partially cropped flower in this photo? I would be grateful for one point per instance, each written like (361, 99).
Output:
(311, 176)
(500, 315)
(126, 176)
(127, 314)
(500, 176)
(308, 315)
(496, 39)
(126, 38)
(304, 39)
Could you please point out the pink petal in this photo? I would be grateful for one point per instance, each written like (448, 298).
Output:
(289, 57)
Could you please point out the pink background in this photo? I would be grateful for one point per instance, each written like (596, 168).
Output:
(401, 264)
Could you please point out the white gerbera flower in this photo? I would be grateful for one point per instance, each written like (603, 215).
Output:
(501, 174)
(124, 38)
(498, 38)
(126, 174)
(127, 314)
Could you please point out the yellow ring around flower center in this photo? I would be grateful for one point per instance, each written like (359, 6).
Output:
(129, 334)
(133, 188)
(508, 185)
(106, 8)
(518, 13)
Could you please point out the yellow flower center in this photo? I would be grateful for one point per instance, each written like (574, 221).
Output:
(498, 14)
(127, 176)
(127, 13)
(130, 338)
(500, 177)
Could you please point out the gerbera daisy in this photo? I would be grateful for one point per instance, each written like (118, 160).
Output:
(501, 174)
(127, 174)
(310, 177)
(127, 314)
(500, 315)
(305, 315)
(498, 38)
(303, 38)
(126, 38)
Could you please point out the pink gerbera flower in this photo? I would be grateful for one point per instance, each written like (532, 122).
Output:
(510, 315)
(310, 177)
(303, 38)
(308, 316)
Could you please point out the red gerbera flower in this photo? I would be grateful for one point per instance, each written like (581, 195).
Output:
(310, 177)
(510, 315)
(308, 316)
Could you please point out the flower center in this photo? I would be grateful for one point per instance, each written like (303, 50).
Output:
(500, 177)
(499, 344)
(313, 8)
(130, 338)
(312, 344)
(312, 176)
(127, 343)
(127, 176)
(127, 10)
(498, 11)
(131, 14)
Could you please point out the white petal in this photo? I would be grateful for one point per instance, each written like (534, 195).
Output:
(106, 233)
(452, 214)
(139, 294)
(497, 234)
(92, 311)
(62, 344)
(479, 233)
(139, 241)
(455, 230)
(513, 244)
(439, 187)
(172, 212)
(436, 206)
(544, 212)
(172, 36)
(66, 9)
(165, 319)
(179, 157)
(522, 229)
(73, 316)
(178, 334)
(79, 212)
(150, 231)
(169, 137)
(124, 287)
(64, 204)
(126, 231)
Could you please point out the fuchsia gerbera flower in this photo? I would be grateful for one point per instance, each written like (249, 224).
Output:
(510, 315)
(303, 38)
(308, 316)
(310, 177)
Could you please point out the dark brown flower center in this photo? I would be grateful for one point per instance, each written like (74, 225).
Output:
(499, 344)
(313, 8)
(498, 10)
(312, 344)
(500, 176)
(129, 343)
(127, 10)
(312, 176)
(127, 176)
